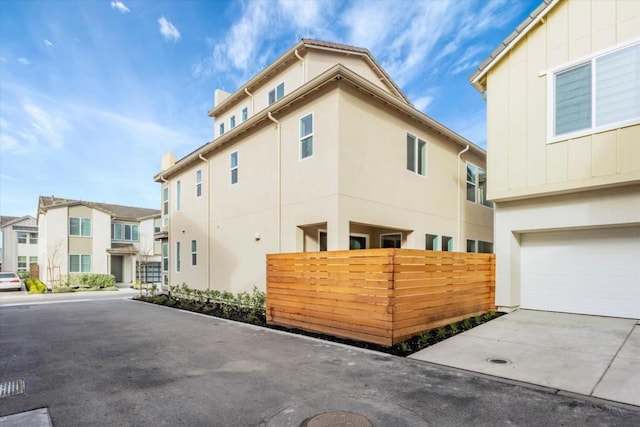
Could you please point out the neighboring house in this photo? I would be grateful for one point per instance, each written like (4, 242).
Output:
(87, 237)
(19, 242)
(319, 151)
(563, 132)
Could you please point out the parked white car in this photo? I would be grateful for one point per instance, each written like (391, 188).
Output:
(9, 280)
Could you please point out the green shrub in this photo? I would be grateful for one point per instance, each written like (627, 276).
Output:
(62, 289)
(92, 280)
(23, 274)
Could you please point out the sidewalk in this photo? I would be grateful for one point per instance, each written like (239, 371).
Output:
(23, 298)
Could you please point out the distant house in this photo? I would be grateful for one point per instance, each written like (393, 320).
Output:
(19, 242)
(563, 141)
(319, 151)
(88, 237)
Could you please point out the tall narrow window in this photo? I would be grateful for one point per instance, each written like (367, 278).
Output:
(416, 155)
(471, 182)
(233, 165)
(165, 257)
(431, 242)
(177, 257)
(165, 206)
(245, 114)
(178, 195)
(276, 93)
(199, 183)
(194, 253)
(306, 136)
(322, 240)
(477, 185)
(232, 122)
(447, 244)
(221, 129)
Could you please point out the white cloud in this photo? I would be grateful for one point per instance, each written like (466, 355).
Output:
(168, 30)
(24, 61)
(422, 102)
(47, 42)
(120, 6)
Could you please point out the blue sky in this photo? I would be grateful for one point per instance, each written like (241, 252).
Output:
(93, 93)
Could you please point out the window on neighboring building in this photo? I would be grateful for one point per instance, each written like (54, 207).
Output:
(431, 242)
(178, 257)
(178, 195)
(306, 136)
(33, 260)
(79, 263)
(80, 227)
(22, 237)
(322, 240)
(477, 185)
(391, 240)
(165, 206)
(471, 246)
(601, 92)
(221, 129)
(194, 253)
(358, 241)
(447, 244)
(233, 167)
(245, 114)
(276, 93)
(33, 238)
(199, 183)
(165, 257)
(128, 232)
(416, 155)
(232, 122)
(485, 247)
(22, 263)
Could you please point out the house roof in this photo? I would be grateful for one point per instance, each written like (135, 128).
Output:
(8, 220)
(291, 55)
(337, 72)
(122, 249)
(478, 78)
(127, 213)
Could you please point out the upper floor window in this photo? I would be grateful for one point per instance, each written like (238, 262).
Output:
(80, 227)
(165, 206)
(600, 93)
(276, 93)
(477, 185)
(232, 122)
(177, 257)
(22, 237)
(233, 167)
(33, 238)
(245, 114)
(194, 252)
(129, 232)
(416, 155)
(199, 183)
(178, 195)
(221, 129)
(22, 263)
(306, 136)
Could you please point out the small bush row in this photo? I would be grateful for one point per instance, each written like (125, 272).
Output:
(35, 286)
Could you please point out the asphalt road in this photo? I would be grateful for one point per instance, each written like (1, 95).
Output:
(126, 363)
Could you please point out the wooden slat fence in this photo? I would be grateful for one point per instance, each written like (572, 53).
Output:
(382, 296)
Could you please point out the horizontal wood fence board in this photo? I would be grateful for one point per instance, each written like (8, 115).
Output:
(381, 305)
(353, 315)
(337, 332)
(333, 296)
(383, 329)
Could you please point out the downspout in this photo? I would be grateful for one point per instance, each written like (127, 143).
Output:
(304, 66)
(251, 96)
(459, 231)
(201, 157)
(279, 181)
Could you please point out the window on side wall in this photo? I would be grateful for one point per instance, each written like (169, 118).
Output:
(79, 263)
(276, 93)
(165, 206)
(33, 260)
(393, 240)
(232, 122)
(22, 263)
(471, 246)
(233, 167)
(245, 114)
(165, 257)
(221, 129)
(22, 237)
(322, 240)
(306, 136)
(447, 244)
(194, 252)
(178, 195)
(477, 185)
(80, 227)
(177, 257)
(600, 93)
(485, 247)
(416, 155)
(33, 238)
(199, 183)
(431, 242)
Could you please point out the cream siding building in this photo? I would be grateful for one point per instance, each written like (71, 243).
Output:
(336, 158)
(19, 243)
(563, 101)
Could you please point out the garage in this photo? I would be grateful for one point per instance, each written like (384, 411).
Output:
(593, 271)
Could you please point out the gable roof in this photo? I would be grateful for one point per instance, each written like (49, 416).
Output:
(292, 55)
(478, 78)
(337, 72)
(8, 220)
(127, 213)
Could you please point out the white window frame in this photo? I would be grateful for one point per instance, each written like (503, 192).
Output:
(32, 260)
(221, 129)
(81, 219)
(178, 194)
(198, 182)
(194, 253)
(80, 263)
(165, 205)
(165, 257)
(305, 137)
(33, 238)
(366, 240)
(390, 234)
(23, 235)
(416, 152)
(244, 114)
(178, 260)
(232, 122)
(275, 93)
(235, 168)
(551, 85)
(24, 265)
(476, 184)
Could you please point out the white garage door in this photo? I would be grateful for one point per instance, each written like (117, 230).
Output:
(585, 271)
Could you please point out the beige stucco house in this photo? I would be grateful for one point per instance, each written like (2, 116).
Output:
(19, 242)
(86, 237)
(563, 132)
(319, 151)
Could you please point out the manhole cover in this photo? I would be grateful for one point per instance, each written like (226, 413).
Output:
(499, 361)
(337, 419)
(11, 388)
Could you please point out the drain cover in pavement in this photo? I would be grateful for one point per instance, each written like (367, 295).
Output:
(337, 419)
(498, 361)
(11, 388)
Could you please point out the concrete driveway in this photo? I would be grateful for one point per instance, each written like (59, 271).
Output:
(590, 355)
(127, 363)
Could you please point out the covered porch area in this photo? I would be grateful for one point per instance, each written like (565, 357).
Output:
(318, 237)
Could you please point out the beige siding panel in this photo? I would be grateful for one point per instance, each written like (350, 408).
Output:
(629, 149)
(80, 245)
(580, 47)
(497, 134)
(558, 26)
(629, 28)
(579, 20)
(579, 158)
(80, 212)
(518, 117)
(603, 153)
(603, 18)
(536, 107)
(556, 162)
